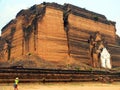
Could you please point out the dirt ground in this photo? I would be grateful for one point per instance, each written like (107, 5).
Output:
(63, 86)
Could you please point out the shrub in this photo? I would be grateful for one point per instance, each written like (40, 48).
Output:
(95, 18)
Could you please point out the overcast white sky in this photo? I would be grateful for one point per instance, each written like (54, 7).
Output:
(109, 8)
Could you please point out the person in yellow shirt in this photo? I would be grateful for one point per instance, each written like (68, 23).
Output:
(16, 83)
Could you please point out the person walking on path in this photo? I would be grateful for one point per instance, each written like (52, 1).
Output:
(16, 83)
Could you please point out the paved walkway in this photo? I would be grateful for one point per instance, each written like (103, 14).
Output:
(62, 86)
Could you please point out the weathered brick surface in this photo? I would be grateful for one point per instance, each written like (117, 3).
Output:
(40, 31)
(52, 41)
(87, 25)
(16, 49)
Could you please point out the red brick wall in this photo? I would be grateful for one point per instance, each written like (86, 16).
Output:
(52, 41)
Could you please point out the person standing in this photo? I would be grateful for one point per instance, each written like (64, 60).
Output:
(16, 83)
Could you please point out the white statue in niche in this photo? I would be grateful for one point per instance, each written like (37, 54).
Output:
(105, 59)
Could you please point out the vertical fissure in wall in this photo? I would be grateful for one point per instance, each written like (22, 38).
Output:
(27, 34)
(22, 46)
(39, 15)
(9, 42)
(66, 13)
(31, 30)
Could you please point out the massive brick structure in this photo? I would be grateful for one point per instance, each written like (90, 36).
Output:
(56, 33)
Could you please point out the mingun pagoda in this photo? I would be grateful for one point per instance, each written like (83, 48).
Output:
(57, 35)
